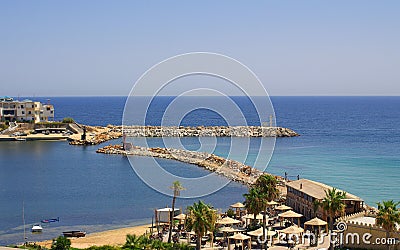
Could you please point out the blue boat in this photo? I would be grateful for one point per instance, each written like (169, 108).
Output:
(51, 220)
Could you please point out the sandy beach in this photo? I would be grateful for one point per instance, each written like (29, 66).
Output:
(110, 237)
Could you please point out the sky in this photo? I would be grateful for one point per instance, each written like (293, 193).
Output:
(101, 48)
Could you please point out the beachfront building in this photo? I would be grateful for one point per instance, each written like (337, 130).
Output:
(26, 110)
(302, 193)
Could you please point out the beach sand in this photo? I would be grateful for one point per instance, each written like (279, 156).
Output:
(110, 237)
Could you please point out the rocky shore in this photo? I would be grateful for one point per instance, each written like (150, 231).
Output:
(233, 170)
(96, 135)
(233, 131)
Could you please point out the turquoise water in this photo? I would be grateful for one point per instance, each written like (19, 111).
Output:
(348, 142)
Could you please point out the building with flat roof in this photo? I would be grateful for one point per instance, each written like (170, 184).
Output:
(26, 110)
(302, 194)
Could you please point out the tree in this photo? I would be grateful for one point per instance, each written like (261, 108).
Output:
(177, 187)
(61, 243)
(387, 217)
(255, 202)
(200, 218)
(316, 205)
(333, 204)
(267, 186)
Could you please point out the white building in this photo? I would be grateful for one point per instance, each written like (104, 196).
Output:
(26, 110)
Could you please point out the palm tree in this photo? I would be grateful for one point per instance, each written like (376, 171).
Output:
(200, 218)
(267, 184)
(134, 242)
(255, 202)
(333, 204)
(177, 187)
(387, 217)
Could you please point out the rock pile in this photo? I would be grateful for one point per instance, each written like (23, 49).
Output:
(234, 131)
(98, 138)
(231, 169)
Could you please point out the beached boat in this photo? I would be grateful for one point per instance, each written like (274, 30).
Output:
(36, 228)
(51, 220)
(74, 234)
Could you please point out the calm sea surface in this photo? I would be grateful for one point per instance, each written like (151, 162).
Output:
(352, 143)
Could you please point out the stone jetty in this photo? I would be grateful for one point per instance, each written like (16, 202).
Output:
(97, 135)
(232, 131)
(233, 170)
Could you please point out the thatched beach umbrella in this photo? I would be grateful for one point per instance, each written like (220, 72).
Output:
(272, 203)
(227, 221)
(180, 217)
(259, 232)
(237, 206)
(317, 222)
(227, 229)
(291, 214)
(283, 208)
(240, 237)
(292, 230)
(251, 217)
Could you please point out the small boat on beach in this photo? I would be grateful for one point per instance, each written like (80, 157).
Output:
(36, 228)
(51, 220)
(74, 234)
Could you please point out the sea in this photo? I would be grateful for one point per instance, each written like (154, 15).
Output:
(352, 143)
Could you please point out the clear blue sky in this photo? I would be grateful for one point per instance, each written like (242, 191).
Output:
(56, 48)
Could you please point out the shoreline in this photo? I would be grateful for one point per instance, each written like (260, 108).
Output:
(112, 237)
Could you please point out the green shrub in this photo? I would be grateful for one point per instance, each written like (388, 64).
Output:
(61, 243)
(230, 213)
(106, 247)
(3, 126)
(68, 120)
(134, 242)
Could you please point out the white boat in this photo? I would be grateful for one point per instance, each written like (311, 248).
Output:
(37, 229)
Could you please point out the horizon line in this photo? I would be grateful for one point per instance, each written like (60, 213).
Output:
(43, 96)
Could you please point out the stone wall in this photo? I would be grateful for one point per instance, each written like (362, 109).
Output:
(367, 236)
(234, 131)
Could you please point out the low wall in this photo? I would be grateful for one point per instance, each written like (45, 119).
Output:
(367, 236)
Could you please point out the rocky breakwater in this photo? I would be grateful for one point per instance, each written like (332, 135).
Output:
(231, 131)
(233, 170)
